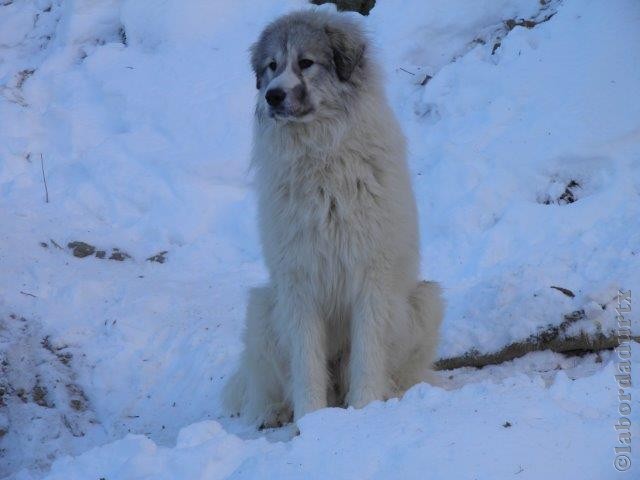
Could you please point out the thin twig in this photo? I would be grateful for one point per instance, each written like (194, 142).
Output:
(28, 294)
(407, 71)
(44, 178)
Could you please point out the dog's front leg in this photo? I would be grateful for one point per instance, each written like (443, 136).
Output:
(306, 334)
(367, 365)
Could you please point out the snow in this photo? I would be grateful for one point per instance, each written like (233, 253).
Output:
(564, 429)
(495, 136)
(140, 118)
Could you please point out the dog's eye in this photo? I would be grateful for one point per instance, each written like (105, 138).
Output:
(273, 66)
(305, 63)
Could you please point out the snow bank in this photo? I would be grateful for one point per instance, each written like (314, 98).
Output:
(518, 427)
(497, 139)
(142, 118)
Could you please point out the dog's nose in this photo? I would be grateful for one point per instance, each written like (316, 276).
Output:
(275, 96)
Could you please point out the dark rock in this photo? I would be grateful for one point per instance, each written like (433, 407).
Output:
(81, 249)
(116, 254)
(158, 257)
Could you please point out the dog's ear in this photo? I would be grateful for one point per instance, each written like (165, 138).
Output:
(255, 63)
(348, 50)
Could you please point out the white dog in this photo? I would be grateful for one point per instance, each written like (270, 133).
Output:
(344, 319)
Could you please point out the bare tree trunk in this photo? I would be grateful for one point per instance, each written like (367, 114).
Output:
(361, 6)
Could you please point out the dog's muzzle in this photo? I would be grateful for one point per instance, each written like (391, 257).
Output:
(275, 97)
(289, 104)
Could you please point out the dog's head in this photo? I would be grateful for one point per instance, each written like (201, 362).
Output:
(307, 64)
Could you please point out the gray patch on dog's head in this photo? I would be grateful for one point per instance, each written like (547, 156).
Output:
(342, 35)
(334, 42)
(348, 50)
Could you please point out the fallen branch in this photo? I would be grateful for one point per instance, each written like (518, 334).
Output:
(552, 338)
(570, 345)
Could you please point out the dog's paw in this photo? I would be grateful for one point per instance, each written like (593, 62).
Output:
(276, 417)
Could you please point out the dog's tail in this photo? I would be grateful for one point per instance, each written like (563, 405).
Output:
(428, 305)
(427, 311)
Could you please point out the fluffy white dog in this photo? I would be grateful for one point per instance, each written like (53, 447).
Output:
(344, 319)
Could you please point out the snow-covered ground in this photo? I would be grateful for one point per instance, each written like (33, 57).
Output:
(524, 142)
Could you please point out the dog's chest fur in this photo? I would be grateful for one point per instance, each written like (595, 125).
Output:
(320, 210)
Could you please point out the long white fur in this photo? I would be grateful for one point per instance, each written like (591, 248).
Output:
(344, 318)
